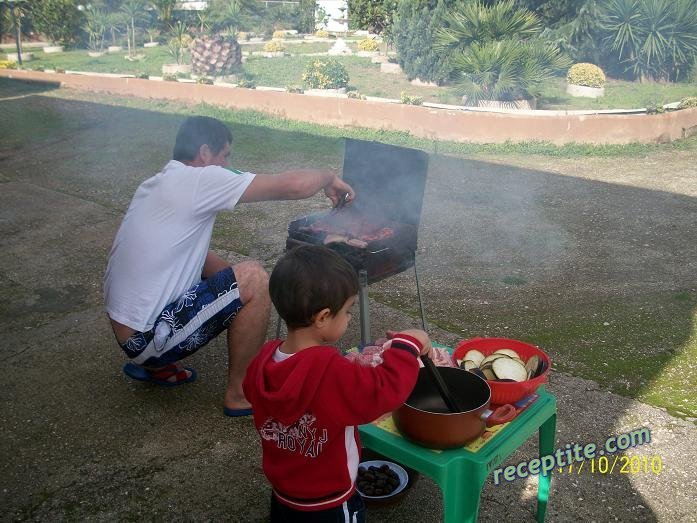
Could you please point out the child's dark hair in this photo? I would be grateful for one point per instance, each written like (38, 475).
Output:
(196, 131)
(308, 279)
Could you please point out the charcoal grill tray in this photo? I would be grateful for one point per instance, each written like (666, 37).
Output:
(403, 238)
(380, 258)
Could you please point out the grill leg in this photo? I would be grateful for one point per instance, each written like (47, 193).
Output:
(364, 309)
(418, 293)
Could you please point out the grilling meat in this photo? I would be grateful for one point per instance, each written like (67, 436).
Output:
(350, 230)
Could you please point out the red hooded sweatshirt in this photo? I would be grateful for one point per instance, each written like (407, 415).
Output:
(307, 407)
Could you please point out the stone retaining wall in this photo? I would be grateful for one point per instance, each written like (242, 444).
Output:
(425, 122)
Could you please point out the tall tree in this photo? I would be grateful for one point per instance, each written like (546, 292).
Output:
(58, 20)
(373, 15)
(164, 10)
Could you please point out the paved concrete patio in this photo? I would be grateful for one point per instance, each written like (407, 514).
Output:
(82, 442)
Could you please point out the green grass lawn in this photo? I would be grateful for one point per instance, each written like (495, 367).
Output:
(365, 77)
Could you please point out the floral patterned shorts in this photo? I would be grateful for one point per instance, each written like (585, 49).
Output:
(189, 323)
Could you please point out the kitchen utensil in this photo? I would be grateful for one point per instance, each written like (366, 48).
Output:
(425, 420)
(442, 387)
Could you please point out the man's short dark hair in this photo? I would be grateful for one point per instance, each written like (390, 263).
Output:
(197, 131)
(308, 279)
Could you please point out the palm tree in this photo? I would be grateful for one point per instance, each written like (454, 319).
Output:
(165, 11)
(654, 39)
(495, 53)
(133, 10)
(476, 23)
(96, 22)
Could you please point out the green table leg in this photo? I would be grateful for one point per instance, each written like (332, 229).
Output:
(547, 437)
(462, 485)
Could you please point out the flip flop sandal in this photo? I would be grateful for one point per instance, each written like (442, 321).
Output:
(160, 377)
(237, 413)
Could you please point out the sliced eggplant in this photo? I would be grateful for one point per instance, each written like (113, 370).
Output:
(541, 367)
(475, 356)
(468, 365)
(532, 365)
(488, 374)
(507, 352)
(508, 368)
(490, 358)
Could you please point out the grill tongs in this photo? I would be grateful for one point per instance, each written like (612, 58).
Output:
(343, 200)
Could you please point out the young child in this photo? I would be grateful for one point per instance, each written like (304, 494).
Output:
(308, 399)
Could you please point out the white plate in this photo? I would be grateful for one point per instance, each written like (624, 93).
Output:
(401, 474)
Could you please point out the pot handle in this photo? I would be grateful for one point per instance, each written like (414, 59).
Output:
(502, 414)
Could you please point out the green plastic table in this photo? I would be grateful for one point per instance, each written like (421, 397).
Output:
(460, 473)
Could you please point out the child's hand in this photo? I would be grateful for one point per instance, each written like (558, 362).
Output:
(426, 347)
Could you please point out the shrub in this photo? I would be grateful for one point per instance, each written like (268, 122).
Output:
(356, 95)
(652, 39)
(692, 75)
(654, 107)
(274, 46)
(7, 64)
(298, 89)
(246, 83)
(497, 52)
(168, 77)
(242, 36)
(588, 75)
(204, 80)
(688, 101)
(325, 74)
(410, 100)
(59, 20)
(142, 75)
(279, 35)
(322, 34)
(414, 30)
(368, 44)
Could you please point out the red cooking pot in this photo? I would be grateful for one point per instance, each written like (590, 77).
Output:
(426, 420)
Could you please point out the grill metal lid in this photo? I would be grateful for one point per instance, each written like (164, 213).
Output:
(389, 180)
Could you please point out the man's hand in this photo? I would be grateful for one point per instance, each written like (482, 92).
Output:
(339, 192)
(426, 347)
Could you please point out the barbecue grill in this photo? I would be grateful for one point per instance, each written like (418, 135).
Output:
(377, 232)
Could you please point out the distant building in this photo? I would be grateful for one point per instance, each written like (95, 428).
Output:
(192, 5)
(337, 12)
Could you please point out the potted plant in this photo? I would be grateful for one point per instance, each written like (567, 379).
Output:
(96, 22)
(325, 77)
(273, 48)
(585, 80)
(178, 46)
(368, 47)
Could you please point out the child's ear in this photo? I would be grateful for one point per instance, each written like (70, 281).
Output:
(322, 317)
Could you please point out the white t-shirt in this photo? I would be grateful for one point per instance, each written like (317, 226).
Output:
(163, 240)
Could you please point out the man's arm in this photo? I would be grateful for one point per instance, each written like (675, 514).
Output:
(296, 185)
